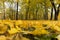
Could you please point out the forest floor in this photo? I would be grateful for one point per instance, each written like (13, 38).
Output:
(26, 29)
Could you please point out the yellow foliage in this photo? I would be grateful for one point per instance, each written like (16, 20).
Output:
(12, 31)
(22, 26)
(39, 32)
(58, 1)
(2, 38)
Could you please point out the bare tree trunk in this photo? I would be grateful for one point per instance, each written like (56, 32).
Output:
(27, 11)
(57, 13)
(17, 12)
(4, 10)
(46, 13)
(56, 10)
(36, 14)
(51, 14)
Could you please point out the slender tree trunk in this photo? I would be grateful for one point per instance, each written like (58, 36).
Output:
(27, 11)
(55, 16)
(57, 13)
(4, 10)
(51, 14)
(17, 12)
(36, 14)
(46, 13)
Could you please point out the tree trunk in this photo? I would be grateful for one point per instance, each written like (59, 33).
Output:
(51, 14)
(36, 14)
(57, 13)
(4, 10)
(46, 13)
(17, 12)
(56, 10)
(27, 11)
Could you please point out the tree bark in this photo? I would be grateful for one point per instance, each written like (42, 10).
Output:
(51, 14)
(46, 14)
(27, 11)
(4, 10)
(56, 10)
(17, 12)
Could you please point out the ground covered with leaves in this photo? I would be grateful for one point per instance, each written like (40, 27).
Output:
(29, 30)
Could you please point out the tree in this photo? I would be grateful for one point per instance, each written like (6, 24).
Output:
(3, 7)
(56, 10)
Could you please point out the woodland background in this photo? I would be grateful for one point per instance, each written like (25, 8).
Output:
(30, 9)
(26, 12)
